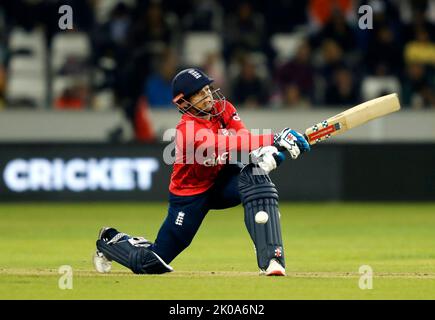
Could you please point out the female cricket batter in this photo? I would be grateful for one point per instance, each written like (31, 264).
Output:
(202, 179)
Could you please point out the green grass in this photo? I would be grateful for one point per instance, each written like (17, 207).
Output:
(325, 244)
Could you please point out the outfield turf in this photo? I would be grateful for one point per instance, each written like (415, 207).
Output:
(325, 244)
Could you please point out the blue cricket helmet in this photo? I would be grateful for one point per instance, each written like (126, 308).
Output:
(189, 81)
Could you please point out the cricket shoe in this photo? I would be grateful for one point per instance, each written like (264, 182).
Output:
(274, 269)
(101, 263)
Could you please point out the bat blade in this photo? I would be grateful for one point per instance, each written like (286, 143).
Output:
(352, 118)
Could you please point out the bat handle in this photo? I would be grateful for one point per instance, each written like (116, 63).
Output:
(306, 138)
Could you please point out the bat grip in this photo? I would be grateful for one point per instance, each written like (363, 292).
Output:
(306, 138)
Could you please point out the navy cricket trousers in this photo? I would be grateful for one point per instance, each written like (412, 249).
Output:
(185, 214)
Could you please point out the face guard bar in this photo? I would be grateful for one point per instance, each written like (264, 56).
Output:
(185, 107)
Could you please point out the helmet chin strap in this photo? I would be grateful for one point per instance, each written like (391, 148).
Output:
(184, 106)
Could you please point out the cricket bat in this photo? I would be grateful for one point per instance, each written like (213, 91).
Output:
(352, 118)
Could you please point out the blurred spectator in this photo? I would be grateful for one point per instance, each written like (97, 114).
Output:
(103, 9)
(418, 87)
(382, 55)
(332, 58)
(73, 97)
(421, 49)
(342, 90)
(321, 11)
(130, 39)
(244, 32)
(118, 25)
(384, 12)
(110, 39)
(285, 14)
(111, 50)
(205, 15)
(249, 89)
(150, 30)
(339, 30)
(73, 66)
(298, 72)
(292, 97)
(158, 85)
(214, 66)
(145, 41)
(419, 20)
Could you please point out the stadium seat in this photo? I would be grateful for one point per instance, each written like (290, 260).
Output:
(66, 45)
(198, 44)
(27, 65)
(27, 72)
(373, 87)
(26, 88)
(33, 41)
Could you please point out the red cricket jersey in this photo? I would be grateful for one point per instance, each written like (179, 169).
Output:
(202, 148)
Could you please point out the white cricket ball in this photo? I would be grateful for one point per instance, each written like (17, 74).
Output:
(261, 217)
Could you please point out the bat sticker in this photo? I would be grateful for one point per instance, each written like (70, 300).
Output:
(324, 132)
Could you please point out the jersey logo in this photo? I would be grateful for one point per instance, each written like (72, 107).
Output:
(214, 161)
(290, 138)
(180, 218)
(236, 116)
(194, 73)
(278, 252)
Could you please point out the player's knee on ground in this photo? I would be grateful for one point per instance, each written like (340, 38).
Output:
(260, 202)
(134, 255)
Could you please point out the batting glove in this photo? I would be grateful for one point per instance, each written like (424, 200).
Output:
(267, 158)
(292, 141)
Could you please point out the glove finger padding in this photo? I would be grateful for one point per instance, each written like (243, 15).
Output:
(267, 158)
(302, 143)
(286, 140)
(268, 163)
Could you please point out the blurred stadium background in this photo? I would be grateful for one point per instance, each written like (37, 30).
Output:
(82, 118)
(71, 98)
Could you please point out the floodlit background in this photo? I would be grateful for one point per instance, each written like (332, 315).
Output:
(282, 57)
